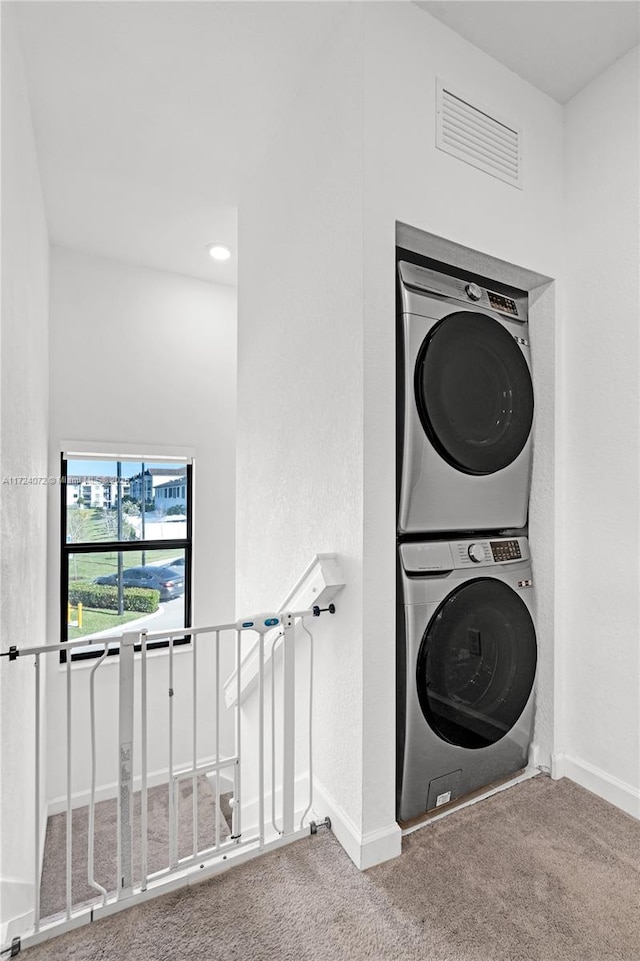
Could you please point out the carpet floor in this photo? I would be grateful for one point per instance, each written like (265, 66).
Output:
(543, 871)
(53, 887)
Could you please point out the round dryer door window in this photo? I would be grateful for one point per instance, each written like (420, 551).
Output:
(474, 393)
(477, 664)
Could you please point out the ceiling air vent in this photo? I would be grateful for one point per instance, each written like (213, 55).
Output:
(473, 134)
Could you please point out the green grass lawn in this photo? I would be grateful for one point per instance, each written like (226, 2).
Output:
(90, 524)
(99, 620)
(84, 567)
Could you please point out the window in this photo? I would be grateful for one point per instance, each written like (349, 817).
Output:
(125, 561)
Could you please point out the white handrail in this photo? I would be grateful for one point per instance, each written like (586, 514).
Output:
(317, 586)
(170, 635)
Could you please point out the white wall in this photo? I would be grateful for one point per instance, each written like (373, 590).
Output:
(600, 661)
(127, 338)
(23, 525)
(317, 247)
(409, 180)
(300, 435)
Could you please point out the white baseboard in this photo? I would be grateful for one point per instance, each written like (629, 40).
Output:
(104, 792)
(226, 783)
(610, 788)
(557, 766)
(540, 759)
(17, 899)
(365, 850)
(250, 807)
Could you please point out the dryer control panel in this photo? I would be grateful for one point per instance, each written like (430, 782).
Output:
(431, 282)
(429, 557)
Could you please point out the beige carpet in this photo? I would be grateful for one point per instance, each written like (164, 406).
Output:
(53, 889)
(544, 871)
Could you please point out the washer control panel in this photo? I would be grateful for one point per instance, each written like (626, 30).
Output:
(506, 551)
(480, 553)
(429, 557)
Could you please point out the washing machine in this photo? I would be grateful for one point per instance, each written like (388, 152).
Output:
(467, 656)
(465, 404)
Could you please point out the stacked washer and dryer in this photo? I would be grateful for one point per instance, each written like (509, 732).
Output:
(466, 642)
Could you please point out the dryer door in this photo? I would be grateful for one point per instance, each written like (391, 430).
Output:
(476, 664)
(474, 393)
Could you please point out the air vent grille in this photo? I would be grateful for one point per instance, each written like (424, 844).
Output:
(471, 133)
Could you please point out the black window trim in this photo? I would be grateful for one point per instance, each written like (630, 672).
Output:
(185, 544)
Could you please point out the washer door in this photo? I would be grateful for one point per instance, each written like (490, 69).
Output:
(474, 393)
(477, 664)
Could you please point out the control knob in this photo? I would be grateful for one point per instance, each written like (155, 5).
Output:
(476, 553)
(473, 291)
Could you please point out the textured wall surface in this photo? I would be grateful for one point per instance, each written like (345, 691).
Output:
(300, 435)
(599, 382)
(23, 523)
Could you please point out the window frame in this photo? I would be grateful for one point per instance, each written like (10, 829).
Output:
(94, 547)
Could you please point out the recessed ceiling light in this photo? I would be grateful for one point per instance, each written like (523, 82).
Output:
(219, 251)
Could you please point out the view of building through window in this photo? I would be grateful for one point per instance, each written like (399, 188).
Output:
(126, 551)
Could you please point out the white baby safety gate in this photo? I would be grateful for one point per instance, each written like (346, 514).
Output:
(269, 768)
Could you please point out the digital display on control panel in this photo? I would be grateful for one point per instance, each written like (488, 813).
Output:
(505, 551)
(506, 304)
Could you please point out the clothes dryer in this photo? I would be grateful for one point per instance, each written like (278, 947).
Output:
(465, 405)
(467, 657)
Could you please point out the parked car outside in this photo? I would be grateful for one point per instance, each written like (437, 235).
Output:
(178, 563)
(168, 580)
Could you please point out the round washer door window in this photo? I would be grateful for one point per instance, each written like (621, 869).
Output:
(477, 664)
(474, 393)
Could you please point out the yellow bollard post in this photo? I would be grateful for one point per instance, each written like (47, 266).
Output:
(79, 613)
